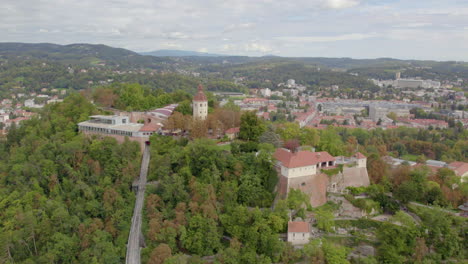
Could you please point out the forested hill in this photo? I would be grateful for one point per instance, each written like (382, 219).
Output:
(85, 54)
(65, 198)
(178, 53)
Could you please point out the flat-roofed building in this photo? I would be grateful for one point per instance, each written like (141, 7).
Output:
(118, 127)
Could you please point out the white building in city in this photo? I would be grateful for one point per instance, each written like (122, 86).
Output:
(265, 92)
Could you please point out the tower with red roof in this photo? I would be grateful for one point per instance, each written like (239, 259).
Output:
(200, 105)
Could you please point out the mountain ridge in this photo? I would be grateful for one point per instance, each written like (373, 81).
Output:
(180, 53)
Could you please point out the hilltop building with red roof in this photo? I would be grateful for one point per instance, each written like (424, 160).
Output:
(200, 105)
(300, 170)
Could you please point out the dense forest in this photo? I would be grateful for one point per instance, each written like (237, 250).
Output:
(65, 198)
(215, 204)
(81, 54)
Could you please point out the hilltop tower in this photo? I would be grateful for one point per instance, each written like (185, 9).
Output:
(200, 104)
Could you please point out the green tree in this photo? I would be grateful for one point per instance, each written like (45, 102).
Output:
(331, 141)
(325, 220)
(202, 236)
(251, 127)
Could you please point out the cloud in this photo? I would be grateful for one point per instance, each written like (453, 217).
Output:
(175, 35)
(236, 27)
(310, 39)
(171, 45)
(340, 4)
(252, 47)
(255, 47)
(350, 28)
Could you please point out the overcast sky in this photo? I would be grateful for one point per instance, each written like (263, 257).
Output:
(407, 29)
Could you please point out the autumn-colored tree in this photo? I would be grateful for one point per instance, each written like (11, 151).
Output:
(177, 121)
(198, 129)
(105, 97)
(420, 250)
(159, 254)
(400, 174)
(229, 118)
(215, 125)
(377, 168)
(293, 145)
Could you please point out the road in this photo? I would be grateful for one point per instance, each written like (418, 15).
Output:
(134, 238)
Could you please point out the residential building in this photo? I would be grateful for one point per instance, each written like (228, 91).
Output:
(298, 233)
(232, 133)
(265, 92)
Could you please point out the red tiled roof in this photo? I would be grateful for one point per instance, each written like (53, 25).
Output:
(459, 167)
(233, 130)
(298, 227)
(359, 155)
(200, 96)
(150, 127)
(301, 158)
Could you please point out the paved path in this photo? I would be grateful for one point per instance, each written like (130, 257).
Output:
(134, 238)
(435, 208)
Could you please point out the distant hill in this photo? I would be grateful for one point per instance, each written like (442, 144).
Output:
(179, 53)
(86, 54)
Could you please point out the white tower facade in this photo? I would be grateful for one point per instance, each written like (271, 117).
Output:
(200, 105)
(361, 160)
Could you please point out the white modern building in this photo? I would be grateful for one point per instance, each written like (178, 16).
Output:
(118, 127)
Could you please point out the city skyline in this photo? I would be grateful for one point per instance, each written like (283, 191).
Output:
(428, 30)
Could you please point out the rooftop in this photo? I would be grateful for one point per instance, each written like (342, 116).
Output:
(107, 117)
(233, 130)
(301, 158)
(298, 227)
(130, 127)
(359, 155)
(459, 167)
(200, 96)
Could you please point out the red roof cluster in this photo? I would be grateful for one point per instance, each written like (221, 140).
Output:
(200, 96)
(254, 100)
(425, 122)
(301, 158)
(298, 227)
(150, 127)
